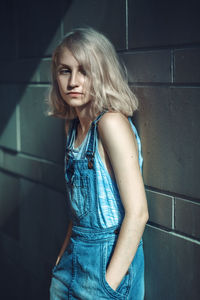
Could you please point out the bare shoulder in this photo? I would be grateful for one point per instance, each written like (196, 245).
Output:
(113, 120)
(114, 123)
(115, 131)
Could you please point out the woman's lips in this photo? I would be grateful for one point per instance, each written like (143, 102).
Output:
(74, 93)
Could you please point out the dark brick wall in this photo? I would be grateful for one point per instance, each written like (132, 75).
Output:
(163, 59)
(159, 43)
(33, 213)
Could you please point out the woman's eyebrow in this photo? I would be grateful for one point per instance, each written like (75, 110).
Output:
(63, 65)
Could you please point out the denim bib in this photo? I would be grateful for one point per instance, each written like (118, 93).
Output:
(93, 195)
(81, 181)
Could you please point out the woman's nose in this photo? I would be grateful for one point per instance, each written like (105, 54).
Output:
(73, 81)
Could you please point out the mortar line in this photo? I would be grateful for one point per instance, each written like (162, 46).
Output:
(187, 198)
(173, 213)
(18, 133)
(126, 24)
(39, 159)
(172, 66)
(62, 29)
(176, 234)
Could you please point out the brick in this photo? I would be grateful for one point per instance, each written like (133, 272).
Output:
(9, 97)
(147, 66)
(45, 172)
(42, 226)
(160, 208)
(44, 217)
(39, 25)
(9, 205)
(8, 133)
(8, 30)
(44, 70)
(187, 217)
(158, 23)
(165, 256)
(22, 71)
(168, 123)
(1, 157)
(41, 136)
(186, 66)
(26, 273)
(101, 15)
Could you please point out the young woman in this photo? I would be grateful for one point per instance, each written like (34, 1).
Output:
(102, 255)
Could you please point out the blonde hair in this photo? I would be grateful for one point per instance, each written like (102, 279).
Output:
(97, 56)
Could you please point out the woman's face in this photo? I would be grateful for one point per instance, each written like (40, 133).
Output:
(73, 83)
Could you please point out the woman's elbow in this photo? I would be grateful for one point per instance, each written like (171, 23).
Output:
(146, 216)
(142, 216)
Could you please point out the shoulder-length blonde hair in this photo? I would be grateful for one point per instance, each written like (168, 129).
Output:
(97, 56)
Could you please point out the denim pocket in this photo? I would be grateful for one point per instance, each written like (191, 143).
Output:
(122, 290)
(63, 270)
(79, 195)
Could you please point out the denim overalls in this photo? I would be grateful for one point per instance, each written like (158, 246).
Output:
(80, 273)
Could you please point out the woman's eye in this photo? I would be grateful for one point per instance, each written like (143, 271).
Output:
(64, 71)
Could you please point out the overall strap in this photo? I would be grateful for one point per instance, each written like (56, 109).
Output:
(91, 145)
(70, 137)
(99, 116)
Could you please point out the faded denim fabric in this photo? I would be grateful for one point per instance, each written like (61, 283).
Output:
(81, 271)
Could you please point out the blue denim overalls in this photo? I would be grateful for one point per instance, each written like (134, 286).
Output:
(80, 274)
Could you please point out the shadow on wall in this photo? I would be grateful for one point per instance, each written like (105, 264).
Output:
(31, 31)
(30, 236)
(34, 28)
(33, 216)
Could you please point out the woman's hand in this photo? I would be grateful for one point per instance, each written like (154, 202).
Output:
(112, 284)
(57, 260)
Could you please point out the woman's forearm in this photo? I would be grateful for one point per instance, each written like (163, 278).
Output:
(66, 241)
(129, 237)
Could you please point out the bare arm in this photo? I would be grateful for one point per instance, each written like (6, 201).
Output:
(119, 142)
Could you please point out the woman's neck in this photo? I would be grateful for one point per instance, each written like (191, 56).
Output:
(85, 119)
(82, 128)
